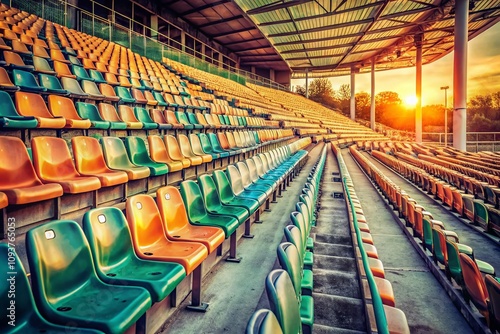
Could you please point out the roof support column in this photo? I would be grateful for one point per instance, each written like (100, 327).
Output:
(372, 104)
(353, 94)
(307, 83)
(460, 75)
(418, 89)
(183, 41)
(154, 26)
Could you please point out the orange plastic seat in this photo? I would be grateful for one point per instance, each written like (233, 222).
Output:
(127, 115)
(18, 178)
(64, 107)
(187, 151)
(385, 291)
(31, 104)
(89, 161)
(174, 151)
(108, 92)
(474, 285)
(148, 236)
(159, 153)
(58, 56)
(176, 223)
(150, 100)
(124, 82)
(62, 70)
(171, 119)
(5, 83)
(53, 163)
(14, 60)
(138, 96)
(376, 267)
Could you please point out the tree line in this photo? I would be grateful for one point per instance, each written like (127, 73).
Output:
(483, 111)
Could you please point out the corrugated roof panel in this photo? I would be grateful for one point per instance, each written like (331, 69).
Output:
(374, 45)
(294, 55)
(359, 57)
(325, 61)
(327, 52)
(279, 29)
(402, 6)
(284, 39)
(276, 15)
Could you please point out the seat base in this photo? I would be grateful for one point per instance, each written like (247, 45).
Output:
(199, 308)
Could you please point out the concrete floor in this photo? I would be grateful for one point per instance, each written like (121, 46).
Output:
(418, 294)
(235, 290)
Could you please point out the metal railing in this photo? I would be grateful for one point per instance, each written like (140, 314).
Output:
(476, 141)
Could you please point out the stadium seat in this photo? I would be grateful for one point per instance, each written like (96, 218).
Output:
(80, 73)
(182, 119)
(5, 83)
(10, 118)
(176, 223)
(294, 235)
(116, 158)
(59, 252)
(235, 180)
(89, 111)
(283, 301)
(138, 154)
(124, 94)
(159, 153)
(475, 288)
(26, 82)
(60, 106)
(62, 70)
(27, 317)
(52, 84)
(31, 104)
(41, 65)
(299, 219)
(115, 260)
(53, 163)
(194, 121)
(109, 114)
(142, 115)
(171, 119)
(493, 288)
(91, 89)
(263, 322)
(195, 142)
(14, 61)
(174, 151)
(187, 151)
(158, 117)
(96, 76)
(127, 115)
(89, 161)
(74, 88)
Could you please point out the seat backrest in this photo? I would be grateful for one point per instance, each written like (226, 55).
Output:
(193, 200)
(245, 174)
(62, 106)
(185, 145)
(157, 150)
(263, 322)
(127, 113)
(145, 222)
(234, 177)
(108, 112)
(137, 150)
(88, 155)
(49, 81)
(205, 143)
(283, 301)
(297, 219)
(181, 117)
(115, 153)
(223, 186)
(142, 115)
(493, 287)
(196, 144)
(252, 170)
(88, 111)
(13, 58)
(290, 260)
(90, 87)
(23, 78)
(72, 85)
(52, 159)
(474, 282)
(294, 235)
(209, 192)
(7, 107)
(158, 97)
(170, 117)
(172, 210)
(60, 261)
(173, 149)
(123, 92)
(224, 143)
(109, 238)
(157, 116)
(80, 72)
(62, 69)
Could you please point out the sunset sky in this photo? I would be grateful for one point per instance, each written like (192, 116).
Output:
(483, 73)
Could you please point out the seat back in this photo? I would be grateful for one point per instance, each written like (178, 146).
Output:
(185, 146)
(115, 153)
(172, 210)
(453, 262)
(214, 141)
(209, 192)
(193, 200)
(283, 301)
(439, 245)
(60, 263)
(297, 219)
(157, 149)
(224, 143)
(73, 86)
(145, 222)
(182, 118)
(7, 107)
(170, 117)
(49, 81)
(493, 287)
(252, 170)
(205, 143)
(173, 149)
(137, 150)
(235, 180)
(52, 159)
(223, 186)
(80, 72)
(123, 92)
(127, 114)
(108, 235)
(108, 112)
(195, 143)
(294, 236)
(474, 282)
(263, 322)
(62, 106)
(290, 261)
(89, 158)
(62, 69)
(31, 104)
(90, 87)
(245, 174)
(157, 116)
(88, 111)
(143, 116)
(13, 58)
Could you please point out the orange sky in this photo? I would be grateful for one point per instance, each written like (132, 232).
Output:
(483, 73)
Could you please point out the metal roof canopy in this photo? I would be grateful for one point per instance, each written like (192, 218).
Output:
(329, 37)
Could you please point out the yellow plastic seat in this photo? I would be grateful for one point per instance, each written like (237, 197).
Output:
(31, 104)
(64, 107)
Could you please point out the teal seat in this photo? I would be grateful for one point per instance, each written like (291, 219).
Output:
(198, 147)
(27, 82)
(234, 177)
(67, 288)
(198, 214)
(124, 94)
(214, 141)
(10, 118)
(27, 318)
(298, 220)
(89, 111)
(161, 101)
(207, 146)
(182, 118)
(481, 215)
(294, 235)
(74, 60)
(116, 263)
(138, 154)
(213, 202)
(117, 158)
(263, 322)
(97, 76)
(302, 281)
(283, 301)
(146, 85)
(143, 116)
(192, 119)
(247, 181)
(52, 84)
(81, 73)
(227, 195)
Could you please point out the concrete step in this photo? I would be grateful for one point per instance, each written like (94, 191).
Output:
(339, 263)
(320, 329)
(322, 248)
(334, 239)
(335, 282)
(340, 312)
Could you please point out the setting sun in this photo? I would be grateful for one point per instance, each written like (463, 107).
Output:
(411, 100)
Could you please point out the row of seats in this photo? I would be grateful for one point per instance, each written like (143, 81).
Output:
(289, 290)
(113, 268)
(458, 259)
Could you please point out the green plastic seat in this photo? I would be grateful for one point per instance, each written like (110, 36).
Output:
(89, 111)
(198, 214)
(427, 234)
(97, 76)
(161, 101)
(117, 158)
(227, 195)
(182, 118)
(124, 94)
(213, 202)
(263, 321)
(74, 88)
(81, 73)
(298, 220)
(67, 288)
(214, 141)
(138, 154)
(10, 118)
(27, 82)
(116, 263)
(192, 120)
(207, 146)
(294, 235)
(27, 317)
(254, 176)
(143, 116)
(235, 180)
(52, 84)
(247, 181)
(283, 301)
(197, 146)
(42, 66)
(481, 215)
(302, 280)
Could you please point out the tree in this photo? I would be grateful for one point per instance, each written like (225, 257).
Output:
(363, 103)
(344, 92)
(300, 90)
(320, 89)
